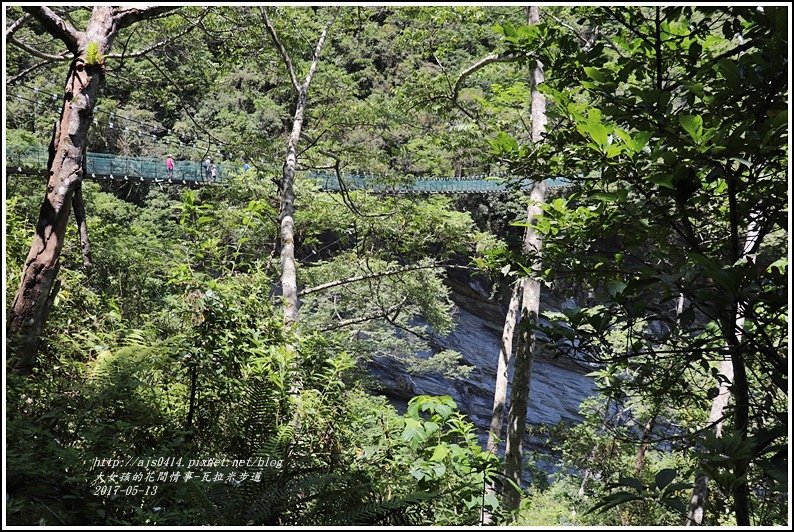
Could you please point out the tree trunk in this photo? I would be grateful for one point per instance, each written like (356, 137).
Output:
(639, 462)
(525, 353)
(530, 306)
(700, 492)
(740, 389)
(500, 387)
(66, 168)
(734, 371)
(289, 283)
(191, 409)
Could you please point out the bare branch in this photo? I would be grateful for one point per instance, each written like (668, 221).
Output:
(281, 50)
(38, 53)
(317, 50)
(485, 61)
(575, 31)
(27, 71)
(367, 317)
(55, 25)
(79, 213)
(187, 29)
(12, 29)
(130, 15)
(332, 284)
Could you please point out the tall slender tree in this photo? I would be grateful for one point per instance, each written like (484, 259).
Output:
(289, 283)
(530, 304)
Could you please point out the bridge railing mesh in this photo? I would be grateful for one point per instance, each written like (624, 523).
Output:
(441, 185)
(33, 159)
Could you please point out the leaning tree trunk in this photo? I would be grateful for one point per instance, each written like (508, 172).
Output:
(500, 387)
(525, 353)
(66, 167)
(530, 306)
(502, 365)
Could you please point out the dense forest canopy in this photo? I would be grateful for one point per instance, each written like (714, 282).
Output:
(201, 353)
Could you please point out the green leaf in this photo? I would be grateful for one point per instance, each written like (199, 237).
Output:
(626, 138)
(692, 125)
(598, 132)
(631, 482)
(664, 477)
(729, 70)
(613, 500)
(491, 501)
(675, 504)
(695, 49)
(641, 139)
(663, 180)
(413, 431)
(595, 73)
(441, 451)
(613, 150)
(780, 265)
(616, 287)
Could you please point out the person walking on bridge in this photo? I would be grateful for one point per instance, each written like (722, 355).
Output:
(205, 167)
(169, 166)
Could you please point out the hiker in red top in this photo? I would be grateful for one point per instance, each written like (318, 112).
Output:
(169, 166)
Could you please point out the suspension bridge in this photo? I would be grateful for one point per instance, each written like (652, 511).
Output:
(32, 160)
(118, 168)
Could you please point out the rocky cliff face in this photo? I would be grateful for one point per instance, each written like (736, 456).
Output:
(558, 384)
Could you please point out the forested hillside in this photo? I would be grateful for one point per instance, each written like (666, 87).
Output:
(347, 265)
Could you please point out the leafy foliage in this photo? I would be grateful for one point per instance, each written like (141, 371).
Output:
(669, 125)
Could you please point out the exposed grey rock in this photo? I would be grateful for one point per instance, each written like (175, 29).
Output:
(558, 386)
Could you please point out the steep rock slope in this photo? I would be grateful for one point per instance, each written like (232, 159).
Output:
(558, 386)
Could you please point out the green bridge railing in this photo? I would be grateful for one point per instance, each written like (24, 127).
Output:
(33, 160)
(102, 166)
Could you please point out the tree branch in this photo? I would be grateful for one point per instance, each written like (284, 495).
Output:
(284, 55)
(619, 18)
(79, 213)
(130, 15)
(27, 71)
(12, 29)
(713, 61)
(170, 39)
(485, 61)
(317, 50)
(339, 282)
(367, 317)
(37, 53)
(55, 25)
